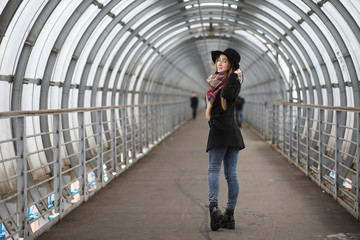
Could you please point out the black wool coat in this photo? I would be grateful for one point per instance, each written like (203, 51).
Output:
(224, 131)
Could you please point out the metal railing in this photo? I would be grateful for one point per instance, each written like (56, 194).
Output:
(60, 158)
(323, 142)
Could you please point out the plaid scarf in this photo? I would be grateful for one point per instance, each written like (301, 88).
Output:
(216, 83)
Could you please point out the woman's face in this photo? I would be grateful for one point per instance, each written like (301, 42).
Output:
(222, 63)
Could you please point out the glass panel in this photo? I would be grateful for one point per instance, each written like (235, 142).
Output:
(47, 37)
(147, 15)
(123, 70)
(293, 45)
(150, 24)
(134, 70)
(30, 97)
(310, 52)
(87, 49)
(325, 96)
(161, 29)
(16, 34)
(87, 98)
(172, 38)
(118, 61)
(144, 69)
(170, 35)
(27, 97)
(345, 31)
(5, 96)
(35, 97)
(301, 5)
(54, 97)
(121, 6)
(354, 9)
(73, 98)
(284, 67)
(285, 9)
(350, 96)
(334, 45)
(2, 5)
(104, 2)
(67, 50)
(99, 57)
(318, 43)
(276, 16)
(336, 99)
(137, 10)
(98, 99)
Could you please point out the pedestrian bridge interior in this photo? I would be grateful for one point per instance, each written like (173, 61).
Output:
(89, 87)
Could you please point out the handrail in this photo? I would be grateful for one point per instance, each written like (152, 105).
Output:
(68, 110)
(309, 105)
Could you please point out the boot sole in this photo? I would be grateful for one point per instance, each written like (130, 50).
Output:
(230, 225)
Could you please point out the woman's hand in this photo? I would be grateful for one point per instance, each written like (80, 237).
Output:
(239, 73)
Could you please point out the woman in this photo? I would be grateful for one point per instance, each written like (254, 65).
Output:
(225, 140)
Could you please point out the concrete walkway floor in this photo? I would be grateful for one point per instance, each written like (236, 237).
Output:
(165, 196)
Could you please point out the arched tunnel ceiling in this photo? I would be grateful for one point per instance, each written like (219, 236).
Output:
(82, 53)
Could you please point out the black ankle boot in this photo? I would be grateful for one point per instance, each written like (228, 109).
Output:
(215, 216)
(228, 220)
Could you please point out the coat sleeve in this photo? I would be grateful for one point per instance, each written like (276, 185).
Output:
(232, 87)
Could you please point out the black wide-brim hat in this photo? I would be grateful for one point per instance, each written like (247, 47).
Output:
(230, 53)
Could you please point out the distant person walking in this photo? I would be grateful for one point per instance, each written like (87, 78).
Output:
(194, 102)
(225, 139)
(239, 104)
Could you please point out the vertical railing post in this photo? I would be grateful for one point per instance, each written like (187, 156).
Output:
(156, 121)
(291, 126)
(152, 122)
(100, 151)
(307, 167)
(22, 192)
(178, 114)
(58, 204)
(277, 107)
(141, 129)
(181, 113)
(147, 125)
(157, 116)
(124, 134)
(115, 165)
(265, 121)
(337, 153)
(273, 124)
(133, 133)
(357, 178)
(162, 122)
(166, 120)
(298, 136)
(284, 128)
(321, 127)
(82, 155)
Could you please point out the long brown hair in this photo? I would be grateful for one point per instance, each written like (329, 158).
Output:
(231, 69)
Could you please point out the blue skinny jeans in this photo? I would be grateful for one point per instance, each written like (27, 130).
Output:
(230, 158)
